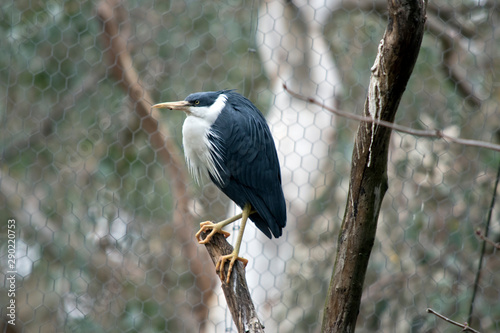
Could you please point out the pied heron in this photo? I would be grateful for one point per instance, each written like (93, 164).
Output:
(226, 138)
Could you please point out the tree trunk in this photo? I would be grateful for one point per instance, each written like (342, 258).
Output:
(397, 54)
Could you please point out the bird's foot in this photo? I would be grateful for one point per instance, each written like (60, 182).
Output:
(220, 265)
(215, 227)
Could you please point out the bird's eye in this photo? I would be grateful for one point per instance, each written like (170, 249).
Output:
(196, 102)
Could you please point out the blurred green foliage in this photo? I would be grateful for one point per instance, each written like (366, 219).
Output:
(93, 202)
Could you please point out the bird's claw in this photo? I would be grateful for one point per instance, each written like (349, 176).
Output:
(220, 265)
(215, 227)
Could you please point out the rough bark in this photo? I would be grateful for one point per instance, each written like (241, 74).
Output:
(236, 292)
(397, 54)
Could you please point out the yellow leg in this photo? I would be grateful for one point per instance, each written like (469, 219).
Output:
(247, 210)
(216, 228)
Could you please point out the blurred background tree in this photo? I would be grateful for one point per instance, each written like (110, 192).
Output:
(98, 242)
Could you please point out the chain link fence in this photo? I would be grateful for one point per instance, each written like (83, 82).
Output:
(104, 213)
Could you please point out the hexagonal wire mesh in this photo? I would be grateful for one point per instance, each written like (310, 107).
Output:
(105, 214)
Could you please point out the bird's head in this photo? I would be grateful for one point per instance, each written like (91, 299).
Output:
(206, 105)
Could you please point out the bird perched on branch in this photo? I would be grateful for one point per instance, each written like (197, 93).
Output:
(226, 138)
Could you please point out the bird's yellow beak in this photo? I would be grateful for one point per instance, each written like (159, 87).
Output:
(180, 105)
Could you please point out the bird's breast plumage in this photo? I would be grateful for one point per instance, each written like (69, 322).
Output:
(199, 149)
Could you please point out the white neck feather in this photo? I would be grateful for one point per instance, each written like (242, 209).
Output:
(195, 140)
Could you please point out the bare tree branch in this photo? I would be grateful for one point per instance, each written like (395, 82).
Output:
(483, 247)
(236, 292)
(434, 133)
(465, 327)
(451, 27)
(451, 40)
(397, 54)
(112, 16)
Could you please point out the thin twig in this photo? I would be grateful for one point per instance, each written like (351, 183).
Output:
(435, 133)
(465, 327)
(486, 239)
(483, 248)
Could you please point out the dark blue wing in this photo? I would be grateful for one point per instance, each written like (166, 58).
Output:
(251, 171)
